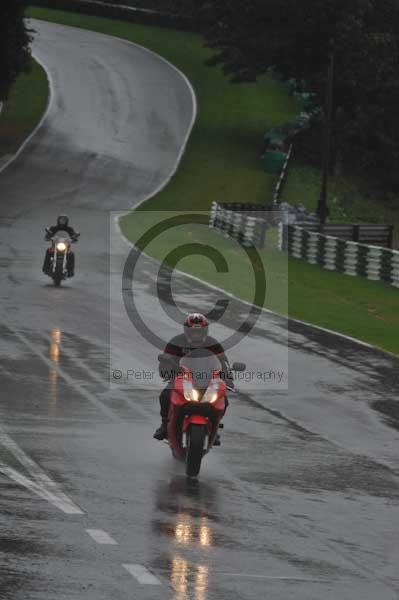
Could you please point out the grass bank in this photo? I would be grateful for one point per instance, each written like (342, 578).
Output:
(222, 162)
(24, 108)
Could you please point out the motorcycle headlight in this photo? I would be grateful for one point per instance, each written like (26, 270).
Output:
(212, 393)
(61, 247)
(190, 393)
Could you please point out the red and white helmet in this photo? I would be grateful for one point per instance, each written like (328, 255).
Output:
(196, 328)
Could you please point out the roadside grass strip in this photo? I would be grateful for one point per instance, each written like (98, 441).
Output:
(23, 110)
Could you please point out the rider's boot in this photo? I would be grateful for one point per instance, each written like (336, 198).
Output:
(162, 432)
(218, 441)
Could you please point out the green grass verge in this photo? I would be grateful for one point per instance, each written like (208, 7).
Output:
(222, 162)
(24, 108)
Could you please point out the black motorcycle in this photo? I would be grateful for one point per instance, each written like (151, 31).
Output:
(59, 251)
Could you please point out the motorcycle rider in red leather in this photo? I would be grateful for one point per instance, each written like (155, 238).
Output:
(195, 336)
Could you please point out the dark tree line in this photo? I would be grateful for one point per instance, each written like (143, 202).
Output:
(295, 37)
(14, 44)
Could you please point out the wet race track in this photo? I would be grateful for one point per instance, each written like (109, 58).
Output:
(302, 499)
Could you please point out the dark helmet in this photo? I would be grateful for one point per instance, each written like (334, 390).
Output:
(196, 328)
(62, 221)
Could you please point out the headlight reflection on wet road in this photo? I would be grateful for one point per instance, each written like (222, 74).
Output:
(187, 578)
(185, 533)
(54, 354)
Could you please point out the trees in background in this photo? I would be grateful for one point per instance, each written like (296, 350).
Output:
(295, 38)
(14, 43)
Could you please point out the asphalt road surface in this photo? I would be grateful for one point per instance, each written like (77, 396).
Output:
(302, 499)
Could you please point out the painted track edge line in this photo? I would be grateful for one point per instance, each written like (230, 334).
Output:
(141, 574)
(61, 502)
(101, 537)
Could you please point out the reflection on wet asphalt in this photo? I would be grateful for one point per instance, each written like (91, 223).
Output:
(302, 499)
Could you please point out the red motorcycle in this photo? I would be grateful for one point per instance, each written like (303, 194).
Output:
(198, 403)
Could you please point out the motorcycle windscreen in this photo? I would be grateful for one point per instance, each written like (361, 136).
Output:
(202, 364)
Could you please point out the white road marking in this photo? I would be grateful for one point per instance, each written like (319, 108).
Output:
(101, 537)
(142, 574)
(41, 483)
(60, 501)
(275, 577)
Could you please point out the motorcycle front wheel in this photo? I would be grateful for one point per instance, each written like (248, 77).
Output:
(195, 449)
(58, 276)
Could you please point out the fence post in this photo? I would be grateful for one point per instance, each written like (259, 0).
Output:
(249, 230)
(281, 244)
(237, 225)
(229, 216)
(330, 253)
(297, 242)
(356, 233)
(214, 209)
(374, 263)
(395, 269)
(390, 237)
(262, 231)
(350, 262)
(312, 248)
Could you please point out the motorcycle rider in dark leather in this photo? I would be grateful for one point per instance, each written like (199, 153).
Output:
(62, 225)
(195, 337)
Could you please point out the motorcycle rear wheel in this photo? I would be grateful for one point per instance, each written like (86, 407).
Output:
(195, 449)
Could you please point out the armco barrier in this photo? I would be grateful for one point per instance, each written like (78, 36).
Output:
(120, 11)
(372, 234)
(334, 254)
(246, 223)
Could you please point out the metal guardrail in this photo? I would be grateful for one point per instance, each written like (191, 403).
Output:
(246, 223)
(334, 254)
(372, 234)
